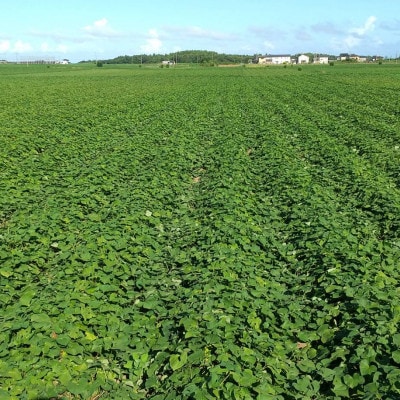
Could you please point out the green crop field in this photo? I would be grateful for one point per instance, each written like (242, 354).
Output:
(200, 233)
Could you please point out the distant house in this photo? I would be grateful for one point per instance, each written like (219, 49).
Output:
(264, 60)
(320, 59)
(64, 62)
(315, 59)
(353, 57)
(303, 59)
(275, 59)
(167, 62)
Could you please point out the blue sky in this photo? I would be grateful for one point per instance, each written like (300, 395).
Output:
(99, 29)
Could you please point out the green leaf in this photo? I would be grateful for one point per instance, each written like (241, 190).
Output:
(364, 367)
(396, 339)
(85, 255)
(90, 336)
(42, 320)
(74, 349)
(5, 273)
(65, 377)
(340, 388)
(78, 388)
(372, 387)
(27, 296)
(302, 384)
(307, 336)
(63, 340)
(325, 333)
(349, 381)
(312, 353)
(396, 356)
(4, 394)
(244, 378)
(177, 361)
(254, 321)
(306, 365)
(327, 373)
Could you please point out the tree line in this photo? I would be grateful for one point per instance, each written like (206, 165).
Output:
(187, 56)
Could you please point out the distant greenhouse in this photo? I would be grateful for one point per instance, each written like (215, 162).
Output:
(42, 60)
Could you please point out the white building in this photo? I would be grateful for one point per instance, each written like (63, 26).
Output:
(321, 60)
(303, 59)
(275, 59)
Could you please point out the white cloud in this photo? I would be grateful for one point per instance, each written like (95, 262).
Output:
(21, 47)
(45, 47)
(357, 35)
(153, 43)
(100, 28)
(368, 26)
(351, 41)
(4, 46)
